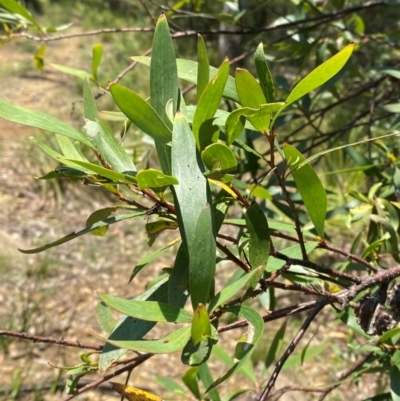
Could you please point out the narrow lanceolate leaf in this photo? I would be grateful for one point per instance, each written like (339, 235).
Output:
(163, 84)
(20, 115)
(140, 113)
(246, 345)
(69, 150)
(210, 99)
(191, 195)
(259, 244)
(130, 328)
(76, 72)
(15, 7)
(395, 383)
(151, 178)
(275, 346)
(109, 147)
(202, 259)
(317, 77)
(97, 54)
(264, 74)
(201, 326)
(203, 67)
(89, 103)
(69, 237)
(171, 343)
(310, 187)
(147, 310)
(231, 290)
(187, 70)
(178, 290)
(252, 96)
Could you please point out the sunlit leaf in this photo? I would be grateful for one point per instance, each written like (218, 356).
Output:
(201, 326)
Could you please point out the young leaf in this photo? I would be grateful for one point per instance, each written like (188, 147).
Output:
(39, 58)
(219, 159)
(251, 95)
(317, 77)
(187, 70)
(20, 115)
(106, 222)
(97, 53)
(140, 113)
(203, 67)
(154, 179)
(210, 99)
(201, 326)
(310, 187)
(264, 74)
(171, 343)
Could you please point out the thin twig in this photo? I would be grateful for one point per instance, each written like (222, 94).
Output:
(51, 340)
(320, 304)
(139, 360)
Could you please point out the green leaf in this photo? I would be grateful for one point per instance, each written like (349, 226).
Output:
(203, 67)
(167, 345)
(252, 96)
(96, 216)
(210, 99)
(20, 115)
(310, 187)
(147, 259)
(104, 172)
(317, 77)
(105, 317)
(73, 235)
(275, 346)
(201, 326)
(154, 179)
(147, 310)
(89, 103)
(219, 159)
(246, 345)
(140, 113)
(163, 84)
(231, 290)
(178, 291)
(68, 149)
(202, 254)
(39, 58)
(17, 8)
(133, 329)
(187, 70)
(264, 74)
(207, 379)
(82, 74)
(97, 54)
(236, 121)
(191, 382)
(300, 358)
(395, 383)
(191, 195)
(109, 148)
(169, 384)
(195, 355)
(293, 252)
(259, 244)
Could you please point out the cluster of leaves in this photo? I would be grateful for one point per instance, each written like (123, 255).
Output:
(212, 159)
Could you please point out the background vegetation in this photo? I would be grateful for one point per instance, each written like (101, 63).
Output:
(53, 295)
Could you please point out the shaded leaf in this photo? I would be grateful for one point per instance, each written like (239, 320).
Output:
(191, 382)
(275, 346)
(96, 216)
(219, 160)
(39, 58)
